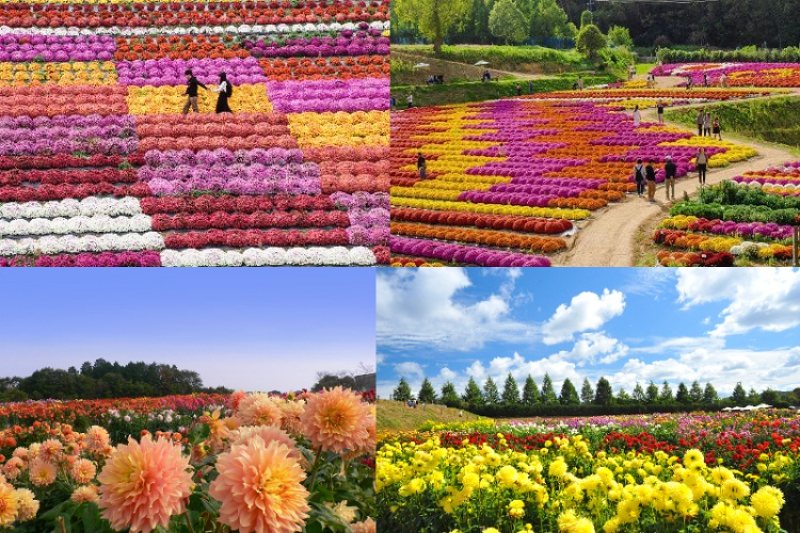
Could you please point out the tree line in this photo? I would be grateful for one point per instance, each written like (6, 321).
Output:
(597, 399)
(104, 380)
(723, 24)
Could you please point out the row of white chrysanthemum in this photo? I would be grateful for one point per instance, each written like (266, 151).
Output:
(194, 30)
(76, 225)
(88, 207)
(257, 257)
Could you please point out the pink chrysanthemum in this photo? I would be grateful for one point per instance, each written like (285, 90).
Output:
(85, 493)
(259, 410)
(367, 526)
(268, 434)
(96, 439)
(42, 473)
(143, 484)
(27, 505)
(8, 505)
(83, 471)
(336, 420)
(260, 487)
(13, 468)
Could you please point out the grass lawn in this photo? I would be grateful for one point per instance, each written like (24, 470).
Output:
(643, 69)
(397, 416)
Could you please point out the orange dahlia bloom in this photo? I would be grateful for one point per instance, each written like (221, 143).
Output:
(42, 473)
(8, 505)
(336, 420)
(290, 417)
(268, 434)
(367, 526)
(50, 450)
(83, 471)
(260, 487)
(144, 484)
(27, 505)
(97, 439)
(259, 410)
(85, 493)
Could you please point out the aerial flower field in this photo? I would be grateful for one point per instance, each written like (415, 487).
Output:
(246, 462)
(736, 74)
(666, 473)
(99, 167)
(751, 217)
(511, 181)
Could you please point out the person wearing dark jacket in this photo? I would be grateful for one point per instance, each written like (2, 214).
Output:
(422, 166)
(191, 91)
(224, 89)
(638, 177)
(670, 171)
(650, 176)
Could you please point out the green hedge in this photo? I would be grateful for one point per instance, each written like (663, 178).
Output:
(527, 411)
(790, 54)
(498, 56)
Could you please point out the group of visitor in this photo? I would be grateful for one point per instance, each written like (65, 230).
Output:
(708, 127)
(435, 79)
(225, 90)
(645, 175)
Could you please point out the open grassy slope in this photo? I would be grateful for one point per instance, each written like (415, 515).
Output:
(396, 416)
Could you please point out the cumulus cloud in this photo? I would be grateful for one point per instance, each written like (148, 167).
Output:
(757, 298)
(589, 348)
(587, 311)
(428, 307)
(410, 369)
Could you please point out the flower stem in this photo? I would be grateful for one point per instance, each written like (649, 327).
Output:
(314, 470)
(188, 522)
(61, 524)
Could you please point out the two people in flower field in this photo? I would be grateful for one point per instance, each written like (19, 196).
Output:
(224, 89)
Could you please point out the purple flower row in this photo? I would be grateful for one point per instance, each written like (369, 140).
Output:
(464, 254)
(329, 95)
(748, 229)
(166, 71)
(22, 48)
(328, 47)
(67, 121)
(221, 156)
(361, 200)
(105, 259)
(526, 199)
(51, 142)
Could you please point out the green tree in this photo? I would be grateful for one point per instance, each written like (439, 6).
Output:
(548, 394)
(683, 394)
(587, 393)
(510, 391)
(620, 36)
(547, 19)
(753, 398)
(665, 395)
(710, 394)
(490, 393)
(623, 396)
(696, 393)
(638, 393)
(587, 17)
(427, 394)
(652, 393)
(590, 41)
(771, 397)
(530, 393)
(473, 394)
(449, 395)
(432, 18)
(403, 392)
(569, 394)
(603, 394)
(507, 22)
(739, 396)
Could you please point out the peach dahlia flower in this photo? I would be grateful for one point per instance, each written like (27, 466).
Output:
(260, 487)
(336, 420)
(268, 434)
(97, 439)
(8, 505)
(259, 410)
(28, 505)
(42, 473)
(144, 484)
(367, 526)
(83, 471)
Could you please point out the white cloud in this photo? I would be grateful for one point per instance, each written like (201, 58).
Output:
(409, 369)
(586, 311)
(590, 346)
(757, 298)
(380, 358)
(678, 344)
(423, 308)
(649, 281)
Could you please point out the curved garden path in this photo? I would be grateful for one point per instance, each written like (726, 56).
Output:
(609, 239)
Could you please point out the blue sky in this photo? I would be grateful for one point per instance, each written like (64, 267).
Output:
(250, 329)
(629, 325)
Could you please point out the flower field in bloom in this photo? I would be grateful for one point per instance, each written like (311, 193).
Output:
(246, 462)
(749, 217)
(667, 473)
(99, 167)
(736, 74)
(513, 179)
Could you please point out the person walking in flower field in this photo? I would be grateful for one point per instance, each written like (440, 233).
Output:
(660, 109)
(670, 171)
(707, 124)
(637, 117)
(638, 176)
(701, 117)
(701, 161)
(422, 166)
(225, 90)
(650, 177)
(191, 92)
(716, 129)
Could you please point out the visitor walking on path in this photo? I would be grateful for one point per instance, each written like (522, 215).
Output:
(670, 171)
(650, 176)
(699, 121)
(519, 90)
(422, 166)
(191, 92)
(707, 124)
(660, 109)
(410, 101)
(723, 80)
(530, 86)
(638, 176)
(580, 83)
(637, 117)
(701, 161)
(705, 80)
(717, 129)
(225, 90)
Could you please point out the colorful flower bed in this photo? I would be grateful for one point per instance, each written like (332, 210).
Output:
(252, 462)
(736, 74)
(91, 101)
(512, 179)
(749, 217)
(670, 473)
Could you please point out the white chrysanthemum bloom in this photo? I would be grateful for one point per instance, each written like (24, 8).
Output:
(362, 256)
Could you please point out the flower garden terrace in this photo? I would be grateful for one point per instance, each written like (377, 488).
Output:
(514, 179)
(617, 473)
(98, 167)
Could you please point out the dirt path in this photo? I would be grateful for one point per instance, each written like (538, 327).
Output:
(609, 240)
(467, 68)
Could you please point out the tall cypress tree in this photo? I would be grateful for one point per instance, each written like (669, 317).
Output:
(490, 393)
(530, 393)
(510, 391)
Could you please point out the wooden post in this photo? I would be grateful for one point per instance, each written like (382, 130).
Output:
(795, 244)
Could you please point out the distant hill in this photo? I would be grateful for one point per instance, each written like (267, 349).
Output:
(397, 416)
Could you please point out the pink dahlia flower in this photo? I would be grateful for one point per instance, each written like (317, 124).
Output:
(336, 420)
(259, 410)
(144, 484)
(260, 487)
(97, 439)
